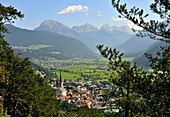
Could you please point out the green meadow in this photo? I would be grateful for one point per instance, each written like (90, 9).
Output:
(96, 70)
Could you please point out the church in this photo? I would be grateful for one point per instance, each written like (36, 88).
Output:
(61, 91)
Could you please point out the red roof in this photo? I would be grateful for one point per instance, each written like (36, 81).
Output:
(93, 104)
(73, 100)
(68, 97)
(62, 97)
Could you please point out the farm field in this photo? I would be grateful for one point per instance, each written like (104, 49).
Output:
(84, 69)
(83, 72)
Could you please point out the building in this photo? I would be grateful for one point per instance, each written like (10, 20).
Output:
(61, 91)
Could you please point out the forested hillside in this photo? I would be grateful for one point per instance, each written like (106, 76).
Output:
(42, 45)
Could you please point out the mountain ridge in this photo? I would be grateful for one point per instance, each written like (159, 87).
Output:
(46, 44)
(142, 60)
(84, 28)
(89, 34)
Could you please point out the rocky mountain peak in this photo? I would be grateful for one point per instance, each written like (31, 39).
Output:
(85, 28)
(106, 28)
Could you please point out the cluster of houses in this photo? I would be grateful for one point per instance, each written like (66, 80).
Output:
(84, 94)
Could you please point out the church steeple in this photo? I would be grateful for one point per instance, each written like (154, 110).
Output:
(61, 83)
(61, 90)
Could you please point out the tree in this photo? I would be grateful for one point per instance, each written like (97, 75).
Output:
(125, 78)
(7, 14)
(23, 92)
(142, 94)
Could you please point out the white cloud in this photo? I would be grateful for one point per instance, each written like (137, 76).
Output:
(73, 9)
(87, 14)
(99, 15)
(118, 19)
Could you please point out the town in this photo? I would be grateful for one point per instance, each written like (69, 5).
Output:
(89, 93)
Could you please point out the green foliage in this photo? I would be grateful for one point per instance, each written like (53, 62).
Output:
(23, 93)
(7, 14)
(142, 94)
(125, 79)
(86, 112)
(139, 93)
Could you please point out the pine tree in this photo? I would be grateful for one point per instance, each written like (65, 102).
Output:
(23, 92)
(142, 94)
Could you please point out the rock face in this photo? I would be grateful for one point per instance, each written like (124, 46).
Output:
(55, 27)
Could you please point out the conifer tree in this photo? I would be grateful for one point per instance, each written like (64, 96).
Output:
(142, 94)
(23, 92)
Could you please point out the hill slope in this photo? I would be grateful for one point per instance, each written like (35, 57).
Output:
(41, 44)
(142, 61)
(135, 46)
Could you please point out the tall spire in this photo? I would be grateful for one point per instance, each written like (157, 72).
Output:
(61, 83)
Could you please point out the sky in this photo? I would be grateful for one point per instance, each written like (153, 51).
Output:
(73, 12)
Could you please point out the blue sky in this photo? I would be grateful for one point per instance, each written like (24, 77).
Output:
(72, 12)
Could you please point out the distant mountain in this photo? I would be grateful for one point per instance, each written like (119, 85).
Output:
(135, 46)
(142, 61)
(43, 44)
(111, 39)
(88, 34)
(85, 28)
(92, 39)
(125, 29)
(106, 28)
(55, 27)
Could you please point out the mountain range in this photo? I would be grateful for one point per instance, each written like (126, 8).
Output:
(56, 40)
(43, 44)
(89, 34)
